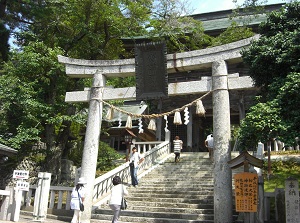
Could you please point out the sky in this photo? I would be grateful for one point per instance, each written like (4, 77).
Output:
(202, 6)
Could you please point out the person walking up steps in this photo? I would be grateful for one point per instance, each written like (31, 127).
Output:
(117, 192)
(209, 143)
(177, 148)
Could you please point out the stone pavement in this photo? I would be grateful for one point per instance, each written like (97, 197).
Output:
(28, 219)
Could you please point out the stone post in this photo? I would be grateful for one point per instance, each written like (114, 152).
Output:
(292, 207)
(158, 122)
(168, 136)
(7, 197)
(17, 205)
(41, 197)
(260, 211)
(91, 143)
(189, 136)
(222, 154)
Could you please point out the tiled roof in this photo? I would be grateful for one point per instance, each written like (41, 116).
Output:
(223, 23)
(7, 151)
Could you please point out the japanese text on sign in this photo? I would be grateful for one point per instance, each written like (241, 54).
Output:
(21, 185)
(21, 174)
(246, 192)
(292, 201)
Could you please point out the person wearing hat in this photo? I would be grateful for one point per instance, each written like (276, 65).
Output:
(77, 196)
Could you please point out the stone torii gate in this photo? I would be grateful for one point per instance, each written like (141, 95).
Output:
(220, 83)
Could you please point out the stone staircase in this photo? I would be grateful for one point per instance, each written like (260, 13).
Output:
(173, 192)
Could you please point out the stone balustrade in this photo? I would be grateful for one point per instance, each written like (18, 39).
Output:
(60, 196)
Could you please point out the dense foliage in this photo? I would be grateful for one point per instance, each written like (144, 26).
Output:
(106, 157)
(274, 61)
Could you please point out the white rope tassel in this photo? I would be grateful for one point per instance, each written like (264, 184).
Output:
(166, 127)
(186, 115)
(200, 110)
(129, 122)
(120, 119)
(152, 125)
(177, 118)
(141, 130)
(110, 114)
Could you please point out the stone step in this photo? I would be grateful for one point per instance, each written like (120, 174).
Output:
(173, 184)
(203, 200)
(128, 219)
(180, 196)
(133, 215)
(177, 179)
(167, 187)
(187, 165)
(188, 183)
(159, 207)
(197, 173)
(172, 193)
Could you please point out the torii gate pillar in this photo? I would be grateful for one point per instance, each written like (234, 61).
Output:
(221, 134)
(91, 143)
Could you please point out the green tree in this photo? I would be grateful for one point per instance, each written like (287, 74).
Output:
(275, 66)
(32, 88)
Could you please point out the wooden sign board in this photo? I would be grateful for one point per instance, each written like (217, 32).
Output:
(246, 192)
(151, 71)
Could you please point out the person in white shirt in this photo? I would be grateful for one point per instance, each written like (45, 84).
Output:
(117, 192)
(135, 159)
(77, 194)
(209, 143)
(177, 144)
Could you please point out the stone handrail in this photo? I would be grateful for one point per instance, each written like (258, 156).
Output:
(60, 196)
(143, 147)
(103, 184)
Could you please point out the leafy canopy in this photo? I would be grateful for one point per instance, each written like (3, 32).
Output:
(274, 61)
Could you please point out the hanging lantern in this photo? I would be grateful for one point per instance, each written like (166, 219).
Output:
(129, 122)
(152, 125)
(110, 114)
(177, 118)
(200, 110)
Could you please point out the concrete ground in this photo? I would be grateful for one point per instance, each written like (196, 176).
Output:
(27, 219)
